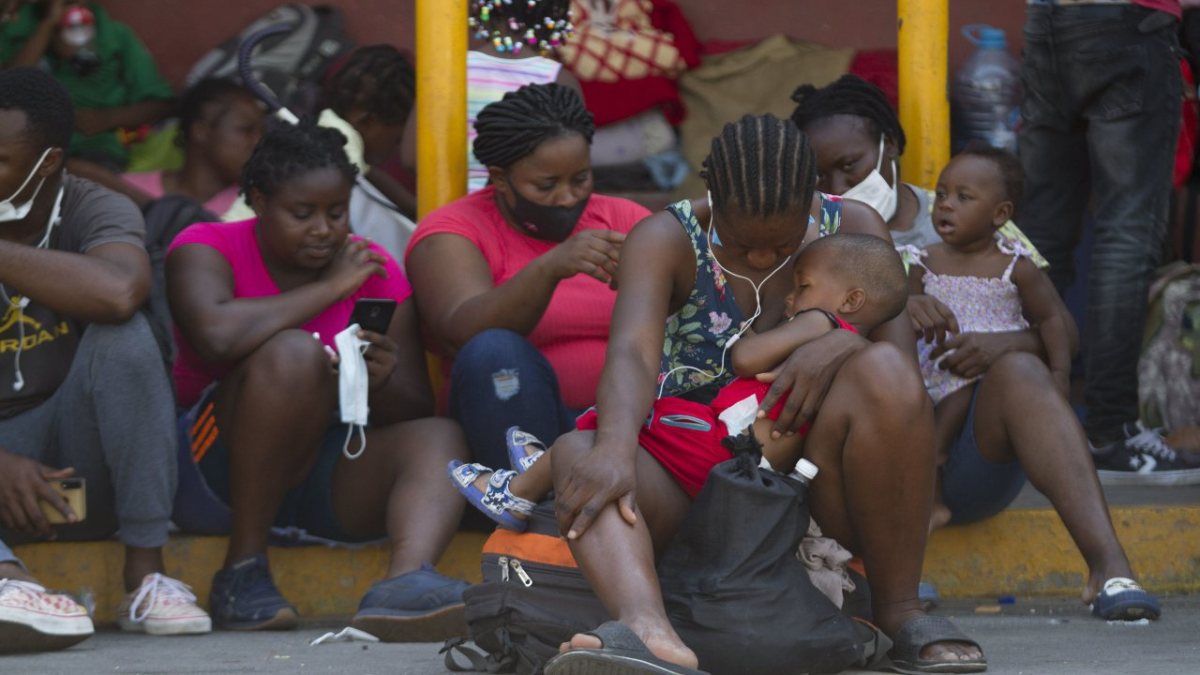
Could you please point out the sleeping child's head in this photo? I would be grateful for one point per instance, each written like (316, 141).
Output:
(977, 193)
(858, 277)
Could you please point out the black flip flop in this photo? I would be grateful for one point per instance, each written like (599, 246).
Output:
(917, 634)
(623, 653)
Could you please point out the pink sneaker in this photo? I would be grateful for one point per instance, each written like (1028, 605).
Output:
(162, 606)
(34, 620)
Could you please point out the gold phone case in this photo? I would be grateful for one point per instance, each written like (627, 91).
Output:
(74, 491)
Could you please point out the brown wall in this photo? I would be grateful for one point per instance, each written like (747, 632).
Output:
(180, 31)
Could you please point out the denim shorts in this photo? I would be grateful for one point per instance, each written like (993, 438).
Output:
(973, 487)
(202, 503)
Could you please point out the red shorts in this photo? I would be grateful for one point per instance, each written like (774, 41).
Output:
(685, 437)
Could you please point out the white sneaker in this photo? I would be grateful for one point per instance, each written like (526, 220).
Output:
(33, 620)
(162, 606)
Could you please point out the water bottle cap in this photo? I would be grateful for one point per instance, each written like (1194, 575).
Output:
(985, 36)
(807, 469)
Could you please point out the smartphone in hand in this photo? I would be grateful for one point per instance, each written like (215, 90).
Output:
(373, 314)
(74, 492)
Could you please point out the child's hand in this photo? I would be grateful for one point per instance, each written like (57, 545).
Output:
(931, 319)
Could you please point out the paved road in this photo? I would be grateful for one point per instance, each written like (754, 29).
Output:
(1030, 637)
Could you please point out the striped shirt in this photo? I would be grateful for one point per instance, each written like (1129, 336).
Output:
(489, 78)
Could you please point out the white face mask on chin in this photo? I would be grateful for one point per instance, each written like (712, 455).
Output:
(874, 191)
(11, 213)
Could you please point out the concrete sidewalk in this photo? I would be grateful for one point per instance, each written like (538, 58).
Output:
(1031, 637)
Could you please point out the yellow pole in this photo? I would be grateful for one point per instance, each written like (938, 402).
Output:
(441, 102)
(924, 27)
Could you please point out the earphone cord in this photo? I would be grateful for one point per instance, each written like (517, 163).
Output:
(18, 378)
(745, 326)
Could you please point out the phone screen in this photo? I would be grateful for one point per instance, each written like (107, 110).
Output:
(372, 314)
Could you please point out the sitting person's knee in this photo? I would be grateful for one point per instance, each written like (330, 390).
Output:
(887, 373)
(567, 450)
(292, 358)
(491, 349)
(1018, 367)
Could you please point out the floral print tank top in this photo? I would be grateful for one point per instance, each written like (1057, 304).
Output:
(694, 354)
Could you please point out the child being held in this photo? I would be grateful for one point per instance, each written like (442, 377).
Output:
(976, 282)
(849, 281)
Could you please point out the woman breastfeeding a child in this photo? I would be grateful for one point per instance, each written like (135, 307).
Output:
(1001, 411)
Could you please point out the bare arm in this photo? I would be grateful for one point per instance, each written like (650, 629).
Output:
(393, 190)
(224, 329)
(1038, 303)
(458, 301)
(35, 47)
(108, 284)
(96, 120)
(102, 176)
(757, 353)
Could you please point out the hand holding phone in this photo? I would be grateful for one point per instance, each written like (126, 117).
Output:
(74, 493)
(373, 314)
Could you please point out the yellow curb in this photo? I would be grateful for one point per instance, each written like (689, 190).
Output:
(1028, 552)
(1021, 552)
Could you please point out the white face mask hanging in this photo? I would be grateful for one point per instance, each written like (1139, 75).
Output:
(874, 191)
(9, 212)
(55, 215)
(353, 387)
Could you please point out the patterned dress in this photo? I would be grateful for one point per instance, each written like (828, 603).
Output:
(980, 304)
(694, 354)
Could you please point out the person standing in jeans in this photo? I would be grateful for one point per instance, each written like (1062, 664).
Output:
(1101, 110)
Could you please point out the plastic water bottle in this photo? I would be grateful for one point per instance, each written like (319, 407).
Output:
(804, 472)
(986, 95)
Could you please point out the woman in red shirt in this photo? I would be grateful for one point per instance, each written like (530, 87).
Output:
(515, 282)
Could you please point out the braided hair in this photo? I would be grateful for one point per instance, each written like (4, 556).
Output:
(213, 90)
(513, 127)
(513, 25)
(49, 113)
(376, 79)
(762, 166)
(849, 95)
(290, 150)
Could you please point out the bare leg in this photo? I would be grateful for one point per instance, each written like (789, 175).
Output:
(873, 441)
(272, 445)
(395, 485)
(139, 562)
(1020, 415)
(948, 417)
(10, 570)
(632, 597)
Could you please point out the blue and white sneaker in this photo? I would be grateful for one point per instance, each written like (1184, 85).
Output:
(244, 597)
(419, 606)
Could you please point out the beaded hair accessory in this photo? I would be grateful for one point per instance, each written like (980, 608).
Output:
(515, 25)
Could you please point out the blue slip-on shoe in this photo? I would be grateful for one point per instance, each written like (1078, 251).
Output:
(1124, 599)
(418, 606)
(244, 597)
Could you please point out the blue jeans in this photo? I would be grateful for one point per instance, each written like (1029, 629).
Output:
(500, 380)
(1102, 106)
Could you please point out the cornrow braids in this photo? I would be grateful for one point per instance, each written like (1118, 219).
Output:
(290, 150)
(760, 166)
(513, 127)
(514, 25)
(376, 79)
(849, 95)
(1007, 165)
(190, 108)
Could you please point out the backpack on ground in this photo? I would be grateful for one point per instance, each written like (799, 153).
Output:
(733, 587)
(532, 599)
(1169, 366)
(292, 64)
(165, 218)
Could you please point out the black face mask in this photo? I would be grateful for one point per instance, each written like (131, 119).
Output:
(548, 223)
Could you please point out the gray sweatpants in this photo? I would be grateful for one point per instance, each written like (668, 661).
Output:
(113, 420)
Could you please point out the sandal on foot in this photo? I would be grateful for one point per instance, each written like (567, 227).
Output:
(498, 503)
(517, 441)
(622, 653)
(923, 631)
(1124, 599)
